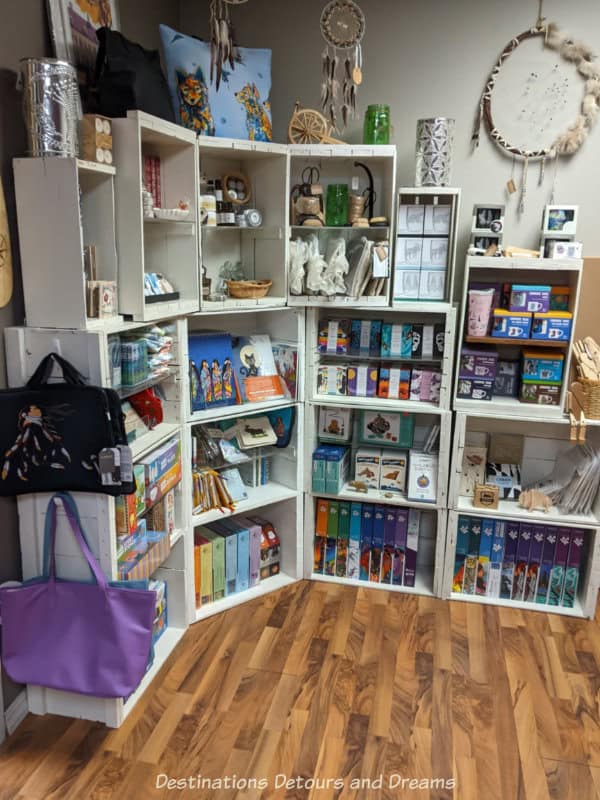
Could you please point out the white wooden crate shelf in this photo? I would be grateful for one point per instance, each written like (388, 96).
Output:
(258, 497)
(265, 586)
(242, 410)
(379, 497)
(423, 583)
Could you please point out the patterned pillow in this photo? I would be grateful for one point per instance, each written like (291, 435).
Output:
(239, 110)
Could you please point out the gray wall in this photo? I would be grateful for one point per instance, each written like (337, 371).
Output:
(429, 58)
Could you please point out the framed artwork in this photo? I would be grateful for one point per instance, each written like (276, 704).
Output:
(488, 219)
(73, 25)
(560, 220)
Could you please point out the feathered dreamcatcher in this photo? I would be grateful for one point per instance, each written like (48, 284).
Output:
(222, 46)
(342, 27)
(567, 142)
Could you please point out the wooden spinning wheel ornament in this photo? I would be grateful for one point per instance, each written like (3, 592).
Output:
(308, 126)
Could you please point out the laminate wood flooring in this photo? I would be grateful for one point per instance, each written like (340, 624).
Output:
(322, 691)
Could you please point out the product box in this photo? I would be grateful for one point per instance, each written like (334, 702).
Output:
(560, 297)
(432, 284)
(322, 518)
(231, 547)
(535, 559)
(573, 569)
(507, 477)
(353, 562)
(337, 466)
(318, 554)
(411, 219)
(477, 363)
(511, 541)
(162, 463)
(439, 340)
(437, 220)
(522, 560)
(391, 340)
(435, 389)
(388, 429)
(332, 380)
(146, 561)
(368, 466)
(334, 336)
(342, 540)
(394, 382)
(427, 340)
(526, 297)
(506, 382)
(270, 548)
(393, 471)
(366, 540)
(461, 552)
(470, 577)
(204, 560)
(366, 336)
(242, 578)
(485, 555)
(495, 574)
(333, 519)
(377, 544)
(557, 576)
(542, 394)
(434, 253)
(552, 326)
(543, 584)
(417, 340)
(126, 514)
(218, 561)
(408, 252)
(330, 555)
(406, 346)
(400, 546)
(412, 546)
(362, 380)
(511, 324)
(255, 537)
(406, 283)
(422, 477)
(318, 469)
(161, 516)
(389, 540)
(541, 366)
(475, 389)
(335, 424)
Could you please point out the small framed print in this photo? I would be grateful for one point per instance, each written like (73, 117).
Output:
(488, 219)
(547, 248)
(560, 220)
(560, 250)
(484, 242)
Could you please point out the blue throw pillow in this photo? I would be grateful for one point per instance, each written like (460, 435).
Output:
(239, 110)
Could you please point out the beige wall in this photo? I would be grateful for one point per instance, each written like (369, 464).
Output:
(427, 58)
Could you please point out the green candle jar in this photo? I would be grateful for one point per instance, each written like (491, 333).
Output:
(336, 207)
(377, 125)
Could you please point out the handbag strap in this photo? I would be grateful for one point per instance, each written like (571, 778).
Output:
(42, 374)
(73, 517)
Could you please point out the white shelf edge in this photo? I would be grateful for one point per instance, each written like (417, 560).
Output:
(377, 497)
(576, 611)
(265, 586)
(511, 510)
(508, 407)
(377, 403)
(421, 584)
(422, 307)
(241, 410)
(258, 497)
(164, 647)
(361, 303)
(149, 441)
(239, 304)
(537, 264)
(94, 166)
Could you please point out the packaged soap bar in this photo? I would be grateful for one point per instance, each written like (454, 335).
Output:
(334, 336)
(511, 325)
(553, 325)
(526, 297)
(362, 380)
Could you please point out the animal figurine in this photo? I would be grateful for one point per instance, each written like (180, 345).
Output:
(258, 122)
(533, 499)
(194, 108)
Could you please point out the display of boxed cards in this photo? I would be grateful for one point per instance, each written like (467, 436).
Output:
(335, 424)
(394, 383)
(553, 325)
(334, 336)
(437, 220)
(541, 394)
(391, 340)
(411, 219)
(332, 380)
(393, 471)
(318, 469)
(475, 389)
(526, 297)
(337, 464)
(386, 428)
(541, 366)
(408, 252)
(422, 477)
(477, 363)
(506, 382)
(434, 253)
(432, 284)
(161, 516)
(368, 466)
(270, 547)
(162, 470)
(365, 336)
(511, 324)
(406, 283)
(362, 380)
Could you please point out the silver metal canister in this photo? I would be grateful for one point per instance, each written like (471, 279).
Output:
(435, 138)
(52, 107)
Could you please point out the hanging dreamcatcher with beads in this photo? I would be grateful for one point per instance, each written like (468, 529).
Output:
(223, 50)
(343, 28)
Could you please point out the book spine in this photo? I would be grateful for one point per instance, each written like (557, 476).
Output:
(254, 545)
(366, 541)
(243, 560)
(400, 546)
(495, 575)
(197, 574)
(342, 542)
(412, 546)
(389, 538)
(206, 579)
(541, 595)
(231, 565)
(322, 517)
(508, 562)
(157, 182)
(377, 544)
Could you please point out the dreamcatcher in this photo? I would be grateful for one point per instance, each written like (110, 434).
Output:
(222, 45)
(343, 28)
(565, 143)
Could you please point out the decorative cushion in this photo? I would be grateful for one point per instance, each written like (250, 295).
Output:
(239, 110)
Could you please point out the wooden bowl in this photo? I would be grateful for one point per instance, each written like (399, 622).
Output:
(249, 289)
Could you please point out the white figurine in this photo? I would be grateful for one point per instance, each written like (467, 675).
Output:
(315, 267)
(298, 259)
(337, 267)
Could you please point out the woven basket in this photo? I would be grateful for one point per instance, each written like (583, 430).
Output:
(249, 289)
(591, 397)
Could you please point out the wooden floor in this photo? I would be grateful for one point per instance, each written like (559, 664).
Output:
(330, 682)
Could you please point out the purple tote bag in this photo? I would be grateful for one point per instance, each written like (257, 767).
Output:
(89, 638)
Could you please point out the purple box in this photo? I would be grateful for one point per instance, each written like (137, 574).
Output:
(523, 549)
(546, 565)
(526, 297)
(511, 540)
(475, 389)
(412, 545)
(400, 544)
(478, 363)
(535, 557)
(362, 380)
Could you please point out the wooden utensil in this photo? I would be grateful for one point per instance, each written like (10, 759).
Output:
(6, 265)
